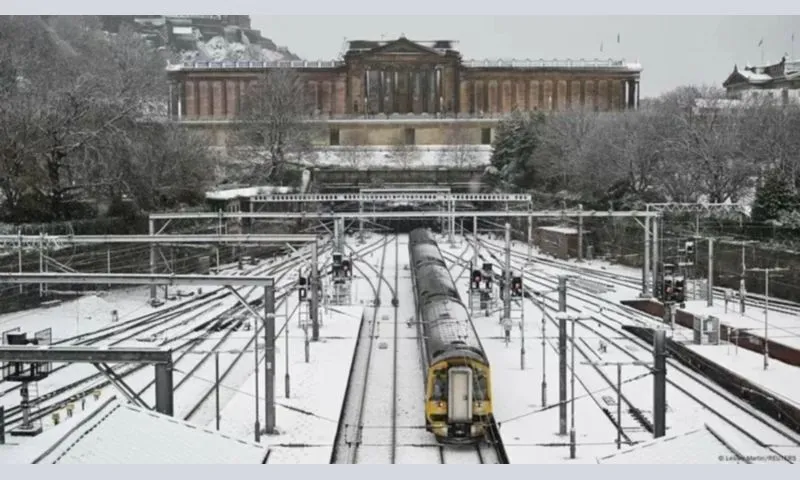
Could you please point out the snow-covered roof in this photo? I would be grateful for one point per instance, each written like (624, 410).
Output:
(693, 447)
(246, 192)
(557, 229)
(121, 433)
(384, 156)
(230, 62)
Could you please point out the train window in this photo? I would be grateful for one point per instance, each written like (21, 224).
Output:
(440, 386)
(480, 387)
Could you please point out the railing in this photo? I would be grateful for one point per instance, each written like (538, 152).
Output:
(486, 63)
(555, 63)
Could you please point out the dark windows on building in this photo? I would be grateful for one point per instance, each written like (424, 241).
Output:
(410, 137)
(334, 136)
(486, 136)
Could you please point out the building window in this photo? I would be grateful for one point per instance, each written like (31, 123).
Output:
(334, 136)
(410, 140)
(486, 136)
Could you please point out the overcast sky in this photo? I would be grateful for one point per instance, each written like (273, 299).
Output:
(673, 50)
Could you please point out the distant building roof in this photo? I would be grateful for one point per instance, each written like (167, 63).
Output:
(246, 192)
(699, 447)
(785, 73)
(121, 433)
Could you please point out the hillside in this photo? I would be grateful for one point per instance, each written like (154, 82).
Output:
(202, 38)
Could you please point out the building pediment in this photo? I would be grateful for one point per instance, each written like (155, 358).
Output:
(400, 47)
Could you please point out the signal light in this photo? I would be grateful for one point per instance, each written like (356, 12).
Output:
(346, 267)
(516, 286)
(477, 276)
(302, 293)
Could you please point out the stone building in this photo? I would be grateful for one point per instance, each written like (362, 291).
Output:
(780, 81)
(402, 91)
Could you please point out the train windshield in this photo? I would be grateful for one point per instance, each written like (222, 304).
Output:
(480, 387)
(440, 387)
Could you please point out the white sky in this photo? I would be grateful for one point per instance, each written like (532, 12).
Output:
(673, 50)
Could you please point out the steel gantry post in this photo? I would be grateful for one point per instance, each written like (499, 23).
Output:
(580, 234)
(655, 257)
(659, 382)
(507, 277)
(152, 230)
(314, 292)
(710, 283)
(269, 364)
(646, 263)
(562, 355)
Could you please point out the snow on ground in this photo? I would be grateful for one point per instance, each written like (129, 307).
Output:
(784, 328)
(779, 379)
(84, 314)
(429, 156)
(530, 432)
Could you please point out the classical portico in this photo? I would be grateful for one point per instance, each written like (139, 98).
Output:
(401, 77)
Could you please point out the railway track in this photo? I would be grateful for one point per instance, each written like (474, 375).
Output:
(171, 317)
(183, 344)
(635, 282)
(765, 438)
(365, 436)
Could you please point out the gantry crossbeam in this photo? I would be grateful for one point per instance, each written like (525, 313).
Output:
(36, 240)
(392, 197)
(696, 207)
(404, 214)
(49, 353)
(135, 279)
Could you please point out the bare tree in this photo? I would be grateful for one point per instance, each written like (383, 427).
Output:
(272, 132)
(459, 152)
(355, 153)
(84, 90)
(404, 155)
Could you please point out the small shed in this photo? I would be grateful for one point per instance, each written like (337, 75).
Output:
(558, 241)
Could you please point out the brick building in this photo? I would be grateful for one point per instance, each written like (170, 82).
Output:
(410, 92)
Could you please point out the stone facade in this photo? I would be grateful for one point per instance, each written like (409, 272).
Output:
(385, 87)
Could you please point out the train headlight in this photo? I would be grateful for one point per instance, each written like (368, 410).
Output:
(440, 404)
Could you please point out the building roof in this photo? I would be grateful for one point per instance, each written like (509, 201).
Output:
(700, 446)
(403, 45)
(246, 192)
(121, 433)
(765, 75)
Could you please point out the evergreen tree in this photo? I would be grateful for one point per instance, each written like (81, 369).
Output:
(774, 197)
(516, 139)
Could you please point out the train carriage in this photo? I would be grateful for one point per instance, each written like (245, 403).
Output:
(458, 402)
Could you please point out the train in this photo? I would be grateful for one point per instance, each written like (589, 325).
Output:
(458, 396)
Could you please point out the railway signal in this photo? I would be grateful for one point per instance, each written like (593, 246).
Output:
(347, 268)
(302, 291)
(477, 276)
(516, 286)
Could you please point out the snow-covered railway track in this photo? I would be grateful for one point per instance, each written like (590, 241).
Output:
(73, 391)
(366, 432)
(691, 395)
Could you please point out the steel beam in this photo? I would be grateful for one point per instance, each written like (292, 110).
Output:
(36, 240)
(135, 279)
(391, 197)
(46, 354)
(408, 214)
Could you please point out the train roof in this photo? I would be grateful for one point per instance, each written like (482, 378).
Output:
(445, 319)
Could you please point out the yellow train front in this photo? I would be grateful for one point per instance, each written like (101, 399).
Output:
(458, 400)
